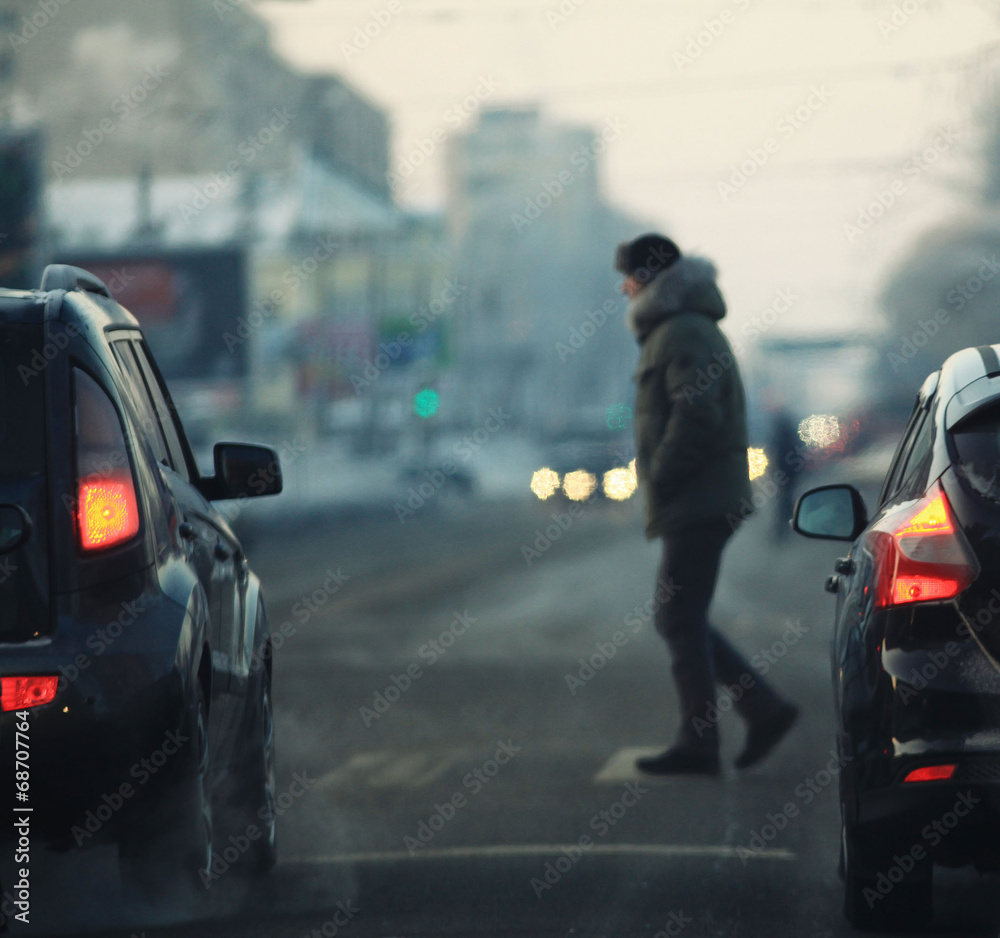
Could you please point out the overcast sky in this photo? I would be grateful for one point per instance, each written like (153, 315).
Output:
(835, 102)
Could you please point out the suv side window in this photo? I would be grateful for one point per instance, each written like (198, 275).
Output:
(169, 422)
(150, 424)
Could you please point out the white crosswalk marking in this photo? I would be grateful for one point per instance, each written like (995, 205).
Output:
(386, 768)
(621, 766)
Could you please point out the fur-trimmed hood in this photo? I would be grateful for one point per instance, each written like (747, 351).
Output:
(687, 286)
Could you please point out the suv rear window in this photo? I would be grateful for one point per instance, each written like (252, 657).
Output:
(22, 402)
(977, 444)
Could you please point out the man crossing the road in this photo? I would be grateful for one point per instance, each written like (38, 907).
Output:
(691, 460)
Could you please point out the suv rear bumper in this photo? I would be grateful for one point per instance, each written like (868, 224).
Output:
(113, 739)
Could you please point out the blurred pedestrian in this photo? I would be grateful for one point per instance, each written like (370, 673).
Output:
(691, 459)
(785, 459)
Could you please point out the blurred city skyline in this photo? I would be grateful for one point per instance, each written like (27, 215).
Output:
(699, 88)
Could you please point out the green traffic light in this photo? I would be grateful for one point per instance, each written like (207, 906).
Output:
(618, 416)
(425, 403)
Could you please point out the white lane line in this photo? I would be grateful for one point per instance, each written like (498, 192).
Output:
(711, 851)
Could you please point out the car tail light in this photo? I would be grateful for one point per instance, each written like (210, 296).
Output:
(17, 693)
(921, 555)
(107, 511)
(931, 773)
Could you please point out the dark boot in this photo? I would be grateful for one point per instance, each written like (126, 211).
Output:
(765, 733)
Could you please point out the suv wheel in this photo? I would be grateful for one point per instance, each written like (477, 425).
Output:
(254, 802)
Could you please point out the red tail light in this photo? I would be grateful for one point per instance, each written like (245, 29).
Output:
(106, 511)
(921, 555)
(17, 693)
(931, 773)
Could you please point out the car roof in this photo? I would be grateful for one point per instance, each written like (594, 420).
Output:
(969, 379)
(91, 301)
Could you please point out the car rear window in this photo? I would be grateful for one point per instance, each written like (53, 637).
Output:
(22, 401)
(977, 444)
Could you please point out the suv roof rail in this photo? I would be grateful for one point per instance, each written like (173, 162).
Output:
(68, 277)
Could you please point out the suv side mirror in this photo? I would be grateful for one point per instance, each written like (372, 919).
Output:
(243, 470)
(832, 512)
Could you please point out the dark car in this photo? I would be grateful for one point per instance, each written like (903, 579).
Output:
(134, 644)
(916, 649)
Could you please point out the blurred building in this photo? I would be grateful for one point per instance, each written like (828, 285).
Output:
(541, 323)
(180, 154)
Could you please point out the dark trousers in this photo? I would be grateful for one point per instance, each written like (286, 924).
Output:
(701, 656)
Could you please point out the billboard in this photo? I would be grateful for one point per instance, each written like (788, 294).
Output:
(191, 304)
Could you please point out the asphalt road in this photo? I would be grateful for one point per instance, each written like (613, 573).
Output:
(448, 765)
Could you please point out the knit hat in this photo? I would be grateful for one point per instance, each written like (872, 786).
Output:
(646, 256)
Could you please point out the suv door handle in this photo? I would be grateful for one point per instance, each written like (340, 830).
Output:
(844, 565)
(187, 531)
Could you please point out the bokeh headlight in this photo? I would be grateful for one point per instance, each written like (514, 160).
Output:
(545, 483)
(579, 485)
(619, 484)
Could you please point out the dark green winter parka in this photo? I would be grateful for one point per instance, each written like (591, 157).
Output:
(690, 409)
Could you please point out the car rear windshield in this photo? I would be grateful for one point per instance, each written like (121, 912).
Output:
(977, 443)
(22, 402)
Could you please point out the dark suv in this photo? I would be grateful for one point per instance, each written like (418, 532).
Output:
(916, 649)
(134, 645)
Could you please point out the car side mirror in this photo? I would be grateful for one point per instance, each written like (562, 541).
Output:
(243, 470)
(831, 512)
